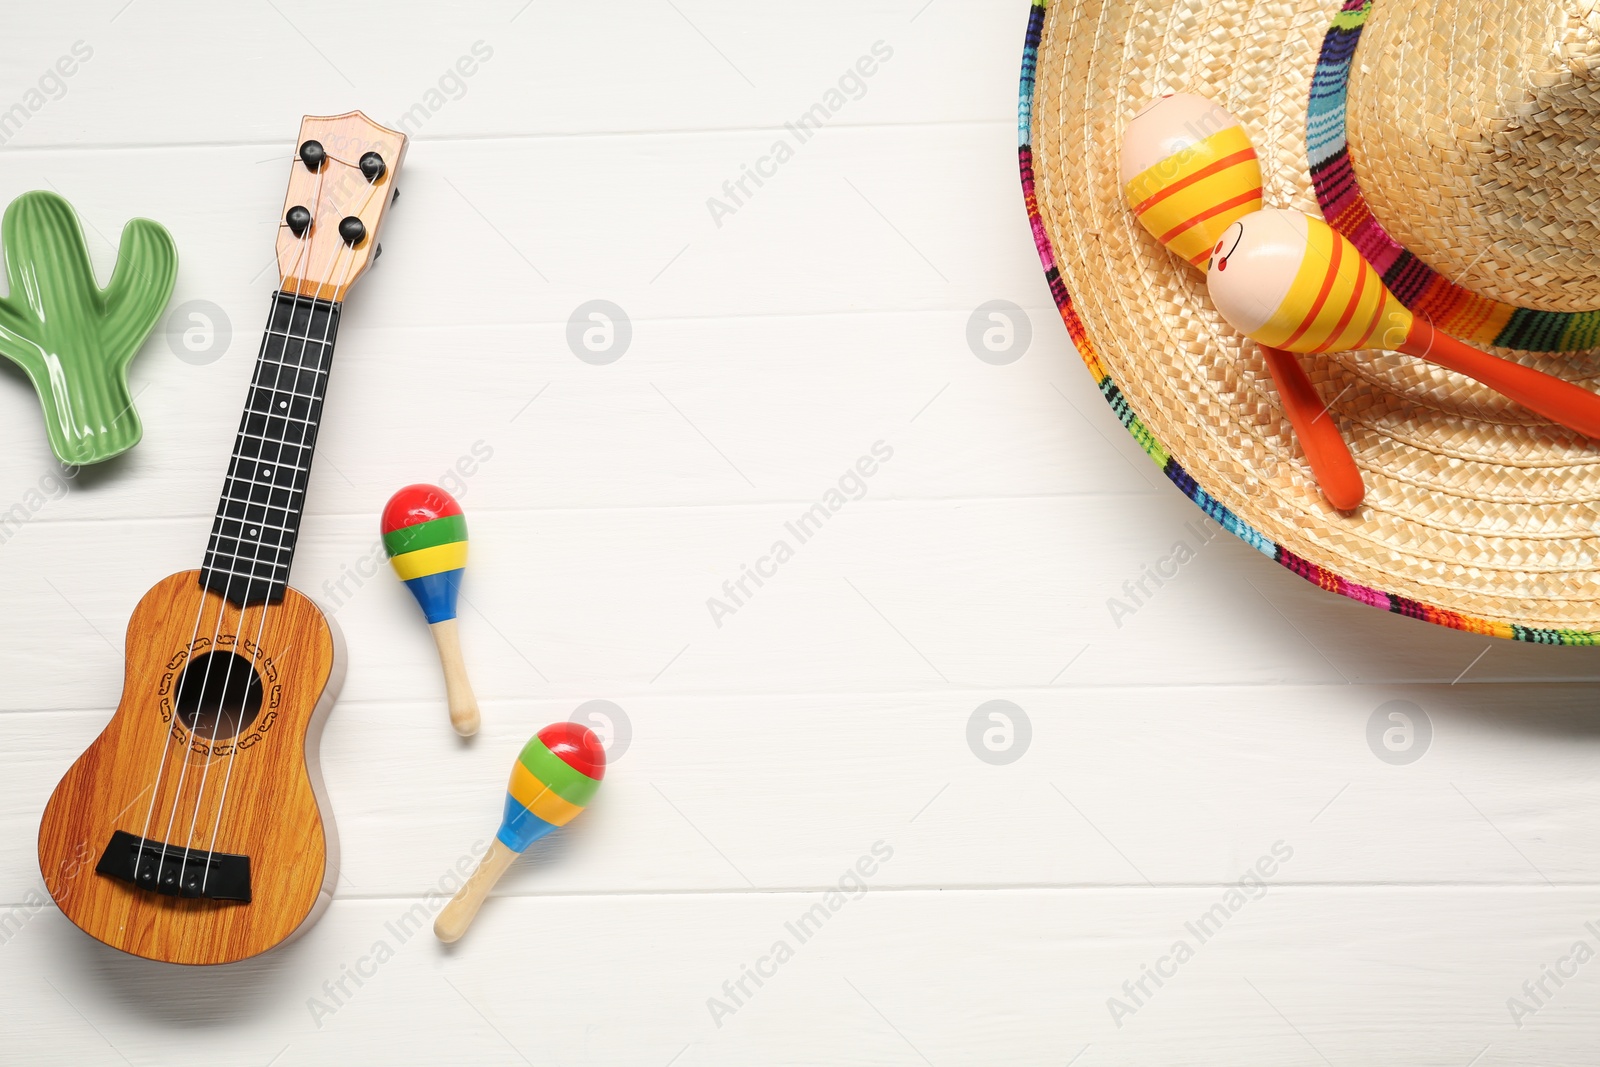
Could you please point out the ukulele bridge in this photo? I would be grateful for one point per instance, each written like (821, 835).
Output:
(175, 872)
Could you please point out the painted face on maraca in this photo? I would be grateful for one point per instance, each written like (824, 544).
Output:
(1290, 281)
(1225, 246)
(1188, 171)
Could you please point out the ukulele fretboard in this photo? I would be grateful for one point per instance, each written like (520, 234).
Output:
(258, 518)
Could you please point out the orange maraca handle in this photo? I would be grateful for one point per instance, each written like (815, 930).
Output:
(1560, 401)
(1335, 469)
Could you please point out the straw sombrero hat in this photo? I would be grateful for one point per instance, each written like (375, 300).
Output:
(1455, 145)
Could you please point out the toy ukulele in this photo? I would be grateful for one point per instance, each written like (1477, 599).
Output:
(425, 538)
(200, 803)
(555, 776)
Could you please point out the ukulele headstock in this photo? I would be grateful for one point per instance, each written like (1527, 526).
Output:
(340, 187)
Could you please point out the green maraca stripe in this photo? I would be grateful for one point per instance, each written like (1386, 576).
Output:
(569, 784)
(425, 535)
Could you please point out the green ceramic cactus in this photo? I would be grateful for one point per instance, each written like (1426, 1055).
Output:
(72, 338)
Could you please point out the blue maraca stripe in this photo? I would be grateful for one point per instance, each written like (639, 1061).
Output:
(437, 594)
(521, 827)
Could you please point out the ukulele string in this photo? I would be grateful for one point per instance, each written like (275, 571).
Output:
(260, 539)
(249, 578)
(216, 537)
(161, 768)
(308, 446)
(188, 745)
(250, 571)
(222, 605)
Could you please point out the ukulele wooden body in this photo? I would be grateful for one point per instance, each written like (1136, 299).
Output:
(166, 775)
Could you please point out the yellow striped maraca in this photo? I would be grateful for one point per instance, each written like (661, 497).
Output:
(1291, 281)
(1189, 172)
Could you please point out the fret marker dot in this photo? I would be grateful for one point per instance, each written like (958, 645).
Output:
(254, 532)
(268, 472)
(283, 403)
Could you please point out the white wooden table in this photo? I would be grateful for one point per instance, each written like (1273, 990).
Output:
(1043, 864)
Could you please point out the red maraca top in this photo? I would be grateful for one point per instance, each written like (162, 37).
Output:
(577, 746)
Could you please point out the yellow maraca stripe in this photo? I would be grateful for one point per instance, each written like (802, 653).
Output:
(1377, 320)
(1363, 313)
(1190, 198)
(1378, 309)
(1189, 180)
(1318, 305)
(1367, 303)
(1194, 241)
(1336, 302)
(1286, 320)
(540, 798)
(1350, 309)
(1186, 164)
(425, 561)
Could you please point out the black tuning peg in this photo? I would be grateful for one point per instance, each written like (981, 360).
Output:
(373, 167)
(352, 230)
(299, 220)
(313, 155)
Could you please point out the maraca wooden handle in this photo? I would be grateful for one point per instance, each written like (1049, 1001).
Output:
(463, 703)
(1331, 463)
(463, 907)
(1560, 401)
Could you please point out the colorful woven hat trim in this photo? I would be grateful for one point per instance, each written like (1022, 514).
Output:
(1311, 572)
(1448, 306)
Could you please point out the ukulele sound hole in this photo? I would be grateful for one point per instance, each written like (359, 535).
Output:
(219, 695)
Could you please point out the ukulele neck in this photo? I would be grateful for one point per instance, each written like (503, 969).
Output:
(258, 517)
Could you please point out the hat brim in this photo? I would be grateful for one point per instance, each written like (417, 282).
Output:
(1478, 517)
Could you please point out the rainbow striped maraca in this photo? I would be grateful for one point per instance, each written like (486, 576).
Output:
(554, 778)
(1294, 282)
(425, 536)
(1189, 172)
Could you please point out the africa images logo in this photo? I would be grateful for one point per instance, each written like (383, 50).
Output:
(850, 885)
(851, 485)
(851, 85)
